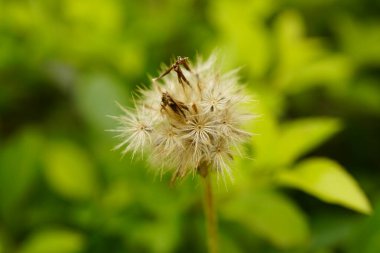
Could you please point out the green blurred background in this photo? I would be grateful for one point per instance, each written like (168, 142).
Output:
(314, 67)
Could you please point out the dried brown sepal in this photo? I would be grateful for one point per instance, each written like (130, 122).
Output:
(176, 66)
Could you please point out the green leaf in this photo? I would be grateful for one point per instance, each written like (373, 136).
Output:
(266, 131)
(57, 241)
(117, 196)
(69, 171)
(328, 181)
(295, 50)
(351, 31)
(18, 167)
(251, 36)
(163, 235)
(300, 136)
(332, 72)
(95, 99)
(270, 215)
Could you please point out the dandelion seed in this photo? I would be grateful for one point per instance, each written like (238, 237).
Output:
(221, 156)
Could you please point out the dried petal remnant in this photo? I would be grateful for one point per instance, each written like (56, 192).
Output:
(191, 118)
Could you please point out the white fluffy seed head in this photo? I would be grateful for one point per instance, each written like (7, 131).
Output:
(187, 120)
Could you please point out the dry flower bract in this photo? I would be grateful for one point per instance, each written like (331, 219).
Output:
(189, 121)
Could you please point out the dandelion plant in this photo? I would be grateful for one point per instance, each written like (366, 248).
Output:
(189, 122)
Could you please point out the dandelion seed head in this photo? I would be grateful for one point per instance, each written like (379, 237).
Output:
(190, 117)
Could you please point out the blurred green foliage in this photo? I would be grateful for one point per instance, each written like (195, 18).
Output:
(314, 67)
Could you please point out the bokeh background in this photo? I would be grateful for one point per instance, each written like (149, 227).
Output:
(313, 67)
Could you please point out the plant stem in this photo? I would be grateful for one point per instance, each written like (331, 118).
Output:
(210, 213)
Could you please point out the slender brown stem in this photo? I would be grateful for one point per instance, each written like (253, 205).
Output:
(210, 213)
